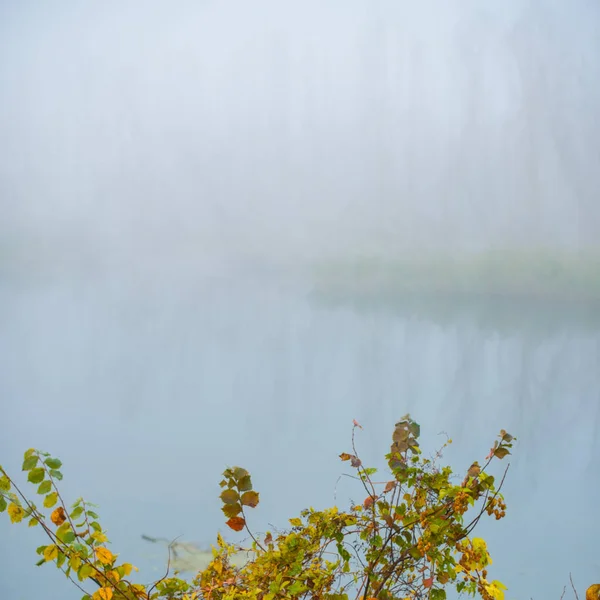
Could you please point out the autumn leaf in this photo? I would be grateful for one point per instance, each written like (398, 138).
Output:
(139, 590)
(58, 516)
(230, 496)
(104, 593)
(389, 486)
(250, 499)
(231, 510)
(50, 552)
(356, 423)
(345, 456)
(104, 555)
(368, 502)
(428, 582)
(99, 537)
(501, 453)
(127, 568)
(236, 523)
(15, 512)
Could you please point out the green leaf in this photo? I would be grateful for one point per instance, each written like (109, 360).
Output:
(44, 487)
(56, 474)
(30, 462)
(53, 463)
(36, 475)
(50, 500)
(33, 522)
(60, 559)
(92, 514)
(84, 572)
(69, 537)
(438, 594)
(76, 512)
(4, 483)
(2, 504)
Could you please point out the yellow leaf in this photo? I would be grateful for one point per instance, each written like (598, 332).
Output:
(104, 593)
(33, 522)
(139, 590)
(127, 568)
(15, 512)
(496, 590)
(104, 555)
(50, 500)
(296, 522)
(99, 537)
(75, 562)
(114, 575)
(50, 552)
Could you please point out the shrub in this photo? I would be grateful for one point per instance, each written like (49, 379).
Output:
(411, 537)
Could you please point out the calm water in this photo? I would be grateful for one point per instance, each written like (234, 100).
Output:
(148, 387)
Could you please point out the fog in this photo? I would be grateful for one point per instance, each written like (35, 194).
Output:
(170, 173)
(205, 132)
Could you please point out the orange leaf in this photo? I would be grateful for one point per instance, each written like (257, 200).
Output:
(428, 582)
(356, 423)
(368, 502)
(58, 516)
(345, 456)
(236, 523)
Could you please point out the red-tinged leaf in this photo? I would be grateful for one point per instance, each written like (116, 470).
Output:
(428, 582)
(236, 523)
(356, 423)
(355, 462)
(250, 499)
(389, 486)
(368, 502)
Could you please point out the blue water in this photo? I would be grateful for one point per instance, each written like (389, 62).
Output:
(148, 387)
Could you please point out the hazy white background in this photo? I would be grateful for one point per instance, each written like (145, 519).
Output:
(167, 171)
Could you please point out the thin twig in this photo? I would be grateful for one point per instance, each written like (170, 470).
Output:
(573, 586)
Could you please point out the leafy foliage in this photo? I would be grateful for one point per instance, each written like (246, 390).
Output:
(409, 538)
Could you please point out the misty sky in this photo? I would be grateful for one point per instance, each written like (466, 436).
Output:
(202, 131)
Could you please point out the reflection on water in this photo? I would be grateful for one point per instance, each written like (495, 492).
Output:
(147, 389)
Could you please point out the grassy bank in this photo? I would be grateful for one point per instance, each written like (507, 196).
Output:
(501, 289)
